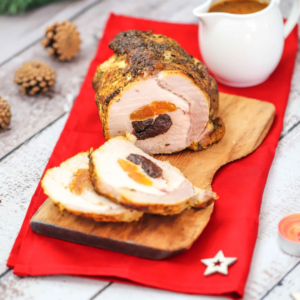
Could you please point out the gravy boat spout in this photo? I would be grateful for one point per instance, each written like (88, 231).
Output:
(202, 9)
(204, 16)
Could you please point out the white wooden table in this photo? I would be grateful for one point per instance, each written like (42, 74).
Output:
(38, 122)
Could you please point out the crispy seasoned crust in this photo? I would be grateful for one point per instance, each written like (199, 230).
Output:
(215, 132)
(214, 99)
(138, 54)
(100, 218)
(159, 209)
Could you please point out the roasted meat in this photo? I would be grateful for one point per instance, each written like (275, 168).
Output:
(127, 175)
(154, 89)
(70, 187)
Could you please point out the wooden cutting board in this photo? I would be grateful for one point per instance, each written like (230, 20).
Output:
(247, 123)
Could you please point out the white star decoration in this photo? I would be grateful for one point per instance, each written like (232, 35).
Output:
(219, 264)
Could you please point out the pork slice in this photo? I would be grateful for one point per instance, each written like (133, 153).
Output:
(166, 194)
(79, 197)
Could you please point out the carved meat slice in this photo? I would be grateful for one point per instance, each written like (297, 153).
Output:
(153, 89)
(127, 175)
(70, 187)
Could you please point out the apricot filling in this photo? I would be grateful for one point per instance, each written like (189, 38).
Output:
(81, 182)
(133, 172)
(151, 110)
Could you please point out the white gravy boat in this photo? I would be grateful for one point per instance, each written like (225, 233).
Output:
(243, 50)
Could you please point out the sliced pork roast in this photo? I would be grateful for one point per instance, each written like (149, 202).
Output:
(70, 187)
(124, 173)
(153, 89)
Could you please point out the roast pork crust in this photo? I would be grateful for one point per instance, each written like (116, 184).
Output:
(140, 54)
(121, 217)
(215, 130)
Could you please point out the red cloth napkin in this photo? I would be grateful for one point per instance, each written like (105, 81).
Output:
(234, 223)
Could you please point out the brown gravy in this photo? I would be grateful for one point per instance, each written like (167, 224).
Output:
(239, 6)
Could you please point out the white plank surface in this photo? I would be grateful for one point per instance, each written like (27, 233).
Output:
(49, 288)
(20, 31)
(128, 292)
(290, 284)
(31, 114)
(292, 115)
(281, 197)
(20, 174)
(23, 168)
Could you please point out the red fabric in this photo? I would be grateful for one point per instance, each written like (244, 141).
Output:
(234, 223)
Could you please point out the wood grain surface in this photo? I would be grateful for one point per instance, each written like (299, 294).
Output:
(247, 123)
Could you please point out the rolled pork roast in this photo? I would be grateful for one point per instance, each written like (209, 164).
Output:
(153, 89)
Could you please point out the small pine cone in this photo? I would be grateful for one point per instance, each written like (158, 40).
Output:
(63, 40)
(35, 77)
(5, 115)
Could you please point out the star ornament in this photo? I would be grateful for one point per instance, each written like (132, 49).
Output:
(218, 264)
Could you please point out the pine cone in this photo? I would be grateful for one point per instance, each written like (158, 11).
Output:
(63, 40)
(5, 115)
(35, 77)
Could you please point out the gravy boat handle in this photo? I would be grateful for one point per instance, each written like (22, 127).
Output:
(293, 17)
(203, 8)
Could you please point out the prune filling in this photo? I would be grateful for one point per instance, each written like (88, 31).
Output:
(145, 129)
(140, 126)
(150, 168)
